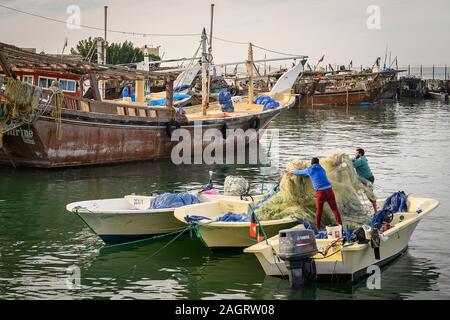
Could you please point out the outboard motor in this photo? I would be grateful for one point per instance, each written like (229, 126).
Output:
(297, 247)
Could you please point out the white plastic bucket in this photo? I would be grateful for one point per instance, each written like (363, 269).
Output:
(334, 232)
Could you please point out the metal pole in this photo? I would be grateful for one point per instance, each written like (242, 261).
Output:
(211, 28)
(420, 71)
(250, 73)
(409, 69)
(265, 64)
(445, 73)
(433, 71)
(208, 74)
(106, 20)
(106, 28)
(205, 67)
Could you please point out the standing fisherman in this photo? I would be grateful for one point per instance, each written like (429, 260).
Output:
(364, 173)
(324, 192)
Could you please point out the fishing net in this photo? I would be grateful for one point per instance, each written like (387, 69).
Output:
(24, 98)
(297, 196)
(235, 186)
(24, 103)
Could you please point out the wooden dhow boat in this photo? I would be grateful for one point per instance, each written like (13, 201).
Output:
(344, 89)
(350, 261)
(51, 129)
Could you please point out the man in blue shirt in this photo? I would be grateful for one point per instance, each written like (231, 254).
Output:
(363, 170)
(324, 192)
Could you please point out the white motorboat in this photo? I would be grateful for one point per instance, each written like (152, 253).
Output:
(129, 218)
(350, 261)
(227, 234)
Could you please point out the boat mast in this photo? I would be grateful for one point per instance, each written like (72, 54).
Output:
(250, 73)
(210, 52)
(205, 69)
(106, 31)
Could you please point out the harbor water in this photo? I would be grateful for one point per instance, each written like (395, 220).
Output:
(407, 144)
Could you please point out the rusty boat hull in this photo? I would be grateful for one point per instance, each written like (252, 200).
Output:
(95, 139)
(342, 98)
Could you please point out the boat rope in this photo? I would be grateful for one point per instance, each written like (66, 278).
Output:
(190, 65)
(133, 268)
(25, 103)
(256, 46)
(267, 157)
(102, 29)
(59, 103)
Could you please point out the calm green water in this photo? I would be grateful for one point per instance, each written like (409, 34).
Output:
(407, 145)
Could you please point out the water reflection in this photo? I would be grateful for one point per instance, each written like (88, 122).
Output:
(403, 278)
(407, 146)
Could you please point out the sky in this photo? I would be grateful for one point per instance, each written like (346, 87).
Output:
(414, 30)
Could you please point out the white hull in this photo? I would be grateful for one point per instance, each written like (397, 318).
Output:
(439, 96)
(351, 261)
(127, 219)
(221, 235)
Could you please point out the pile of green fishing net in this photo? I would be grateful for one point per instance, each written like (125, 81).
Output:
(297, 196)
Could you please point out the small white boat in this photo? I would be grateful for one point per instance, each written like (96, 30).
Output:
(129, 218)
(350, 262)
(441, 96)
(221, 235)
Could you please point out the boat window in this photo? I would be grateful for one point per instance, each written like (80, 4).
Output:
(67, 85)
(45, 82)
(28, 79)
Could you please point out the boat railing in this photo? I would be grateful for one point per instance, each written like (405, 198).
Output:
(112, 108)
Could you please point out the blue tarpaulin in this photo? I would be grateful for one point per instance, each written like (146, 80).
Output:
(395, 203)
(268, 102)
(162, 101)
(235, 217)
(173, 200)
(228, 217)
(225, 101)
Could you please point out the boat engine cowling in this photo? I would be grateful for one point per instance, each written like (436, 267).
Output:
(297, 247)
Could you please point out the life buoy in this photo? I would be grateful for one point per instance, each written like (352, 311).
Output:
(255, 123)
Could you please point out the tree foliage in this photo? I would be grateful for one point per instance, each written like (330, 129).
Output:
(116, 53)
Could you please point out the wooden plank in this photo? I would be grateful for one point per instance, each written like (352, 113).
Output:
(6, 67)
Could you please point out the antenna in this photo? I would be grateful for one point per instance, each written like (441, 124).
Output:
(385, 56)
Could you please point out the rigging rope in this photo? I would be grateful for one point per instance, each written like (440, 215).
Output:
(138, 33)
(101, 29)
(256, 46)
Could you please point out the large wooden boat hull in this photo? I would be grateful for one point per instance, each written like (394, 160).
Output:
(89, 139)
(391, 89)
(342, 98)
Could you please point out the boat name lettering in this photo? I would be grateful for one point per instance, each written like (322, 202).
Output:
(21, 132)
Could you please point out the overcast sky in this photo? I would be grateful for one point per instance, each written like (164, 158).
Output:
(416, 31)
